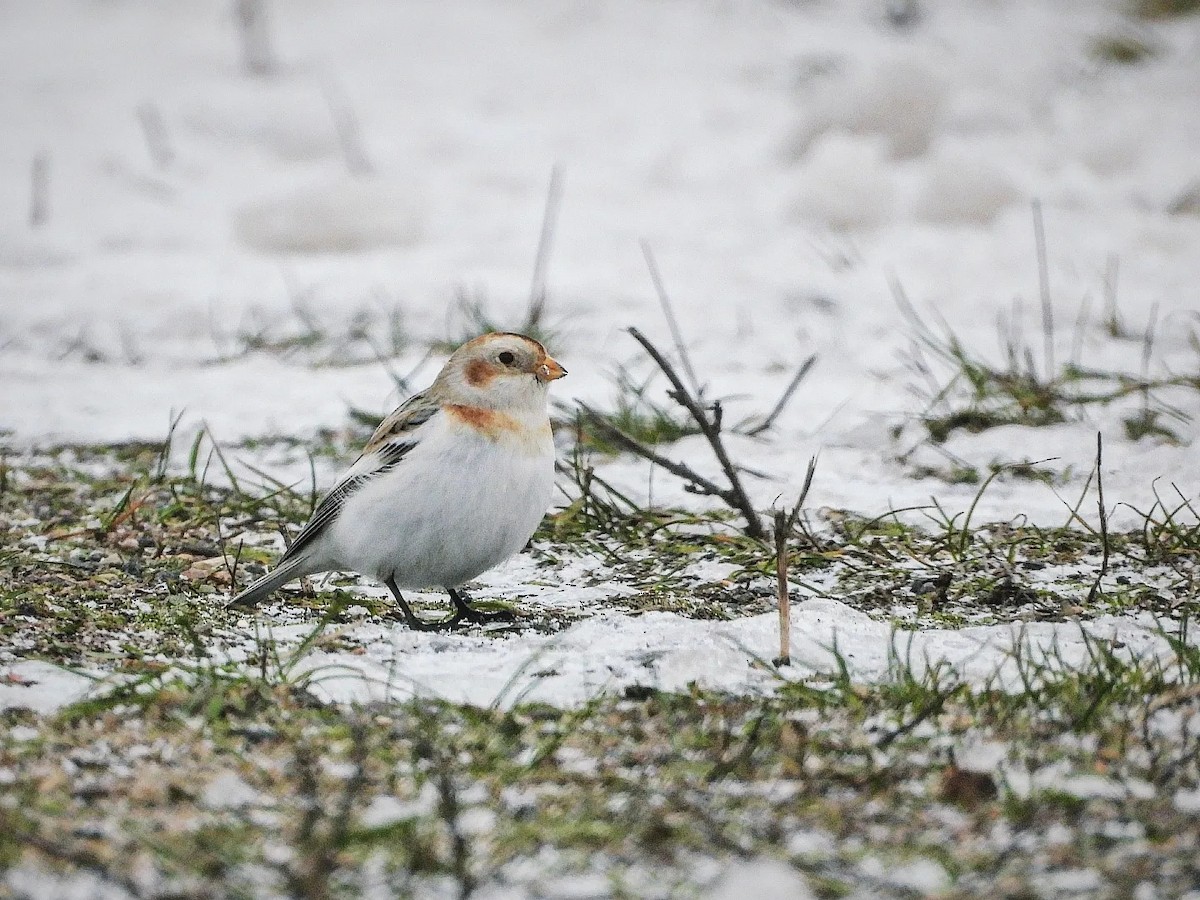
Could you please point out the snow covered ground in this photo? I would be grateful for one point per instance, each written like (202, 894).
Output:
(786, 161)
(609, 653)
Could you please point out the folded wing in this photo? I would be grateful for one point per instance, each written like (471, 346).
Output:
(388, 446)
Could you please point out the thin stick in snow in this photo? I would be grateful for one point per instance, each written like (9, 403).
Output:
(710, 427)
(154, 130)
(781, 589)
(1092, 594)
(349, 135)
(1112, 318)
(785, 523)
(664, 301)
(766, 423)
(541, 262)
(1147, 352)
(254, 28)
(1039, 237)
(39, 190)
(696, 483)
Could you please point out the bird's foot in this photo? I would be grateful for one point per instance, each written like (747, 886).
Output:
(479, 617)
(403, 611)
(464, 613)
(416, 623)
(465, 610)
(459, 620)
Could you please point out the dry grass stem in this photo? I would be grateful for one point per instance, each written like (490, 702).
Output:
(541, 260)
(710, 426)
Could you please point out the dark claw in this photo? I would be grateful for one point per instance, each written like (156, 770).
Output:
(463, 612)
(477, 616)
(416, 623)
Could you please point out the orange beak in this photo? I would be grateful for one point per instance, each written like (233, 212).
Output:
(549, 370)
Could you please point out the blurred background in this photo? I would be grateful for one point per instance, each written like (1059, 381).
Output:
(266, 214)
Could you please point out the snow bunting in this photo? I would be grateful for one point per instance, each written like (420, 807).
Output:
(452, 483)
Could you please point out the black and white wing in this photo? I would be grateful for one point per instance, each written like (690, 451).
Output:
(391, 442)
(388, 446)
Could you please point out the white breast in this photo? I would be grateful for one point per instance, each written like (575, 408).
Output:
(458, 504)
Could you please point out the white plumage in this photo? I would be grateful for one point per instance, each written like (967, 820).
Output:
(459, 503)
(451, 484)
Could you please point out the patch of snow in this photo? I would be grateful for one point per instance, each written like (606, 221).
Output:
(762, 878)
(845, 182)
(1097, 786)
(585, 886)
(1057, 776)
(347, 216)
(980, 755)
(963, 187)
(922, 876)
(22, 733)
(609, 652)
(710, 570)
(387, 810)
(810, 843)
(1058, 835)
(41, 686)
(229, 791)
(1187, 801)
(1070, 881)
(29, 880)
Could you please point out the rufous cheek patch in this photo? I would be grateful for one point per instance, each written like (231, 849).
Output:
(480, 372)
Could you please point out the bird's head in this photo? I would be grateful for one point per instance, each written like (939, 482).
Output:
(500, 371)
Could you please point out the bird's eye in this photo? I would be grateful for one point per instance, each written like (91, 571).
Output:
(506, 358)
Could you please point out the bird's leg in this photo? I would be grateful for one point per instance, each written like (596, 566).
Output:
(412, 619)
(464, 610)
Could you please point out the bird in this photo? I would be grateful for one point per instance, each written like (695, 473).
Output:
(451, 484)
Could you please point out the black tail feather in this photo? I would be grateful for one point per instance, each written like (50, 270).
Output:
(268, 584)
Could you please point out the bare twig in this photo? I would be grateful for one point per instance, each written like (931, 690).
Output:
(1039, 237)
(231, 568)
(669, 312)
(1080, 331)
(257, 58)
(450, 810)
(780, 406)
(1095, 591)
(1112, 274)
(697, 483)
(931, 707)
(784, 524)
(352, 791)
(808, 480)
(781, 589)
(154, 130)
(1147, 353)
(39, 190)
(541, 262)
(349, 134)
(736, 495)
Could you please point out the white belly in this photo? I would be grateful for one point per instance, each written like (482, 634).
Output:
(457, 505)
